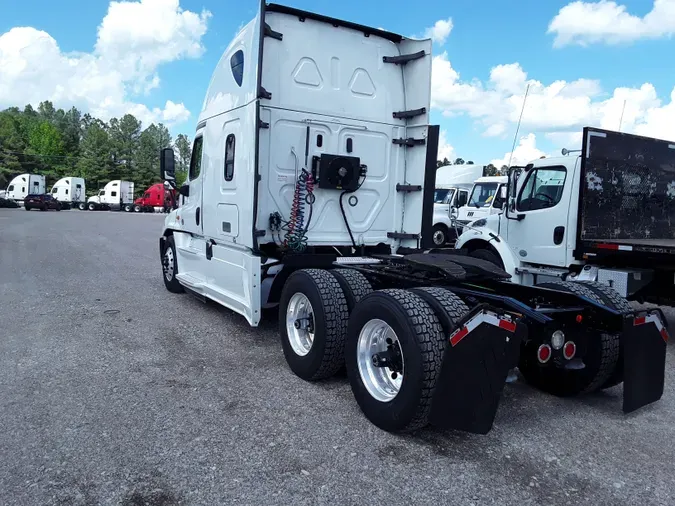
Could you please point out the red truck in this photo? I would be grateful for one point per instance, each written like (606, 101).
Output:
(157, 196)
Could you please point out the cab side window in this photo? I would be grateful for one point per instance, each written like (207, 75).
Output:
(542, 189)
(462, 198)
(196, 162)
(229, 157)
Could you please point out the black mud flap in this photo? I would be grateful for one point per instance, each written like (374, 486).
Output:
(477, 359)
(644, 339)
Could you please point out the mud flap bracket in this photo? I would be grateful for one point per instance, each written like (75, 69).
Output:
(644, 364)
(477, 359)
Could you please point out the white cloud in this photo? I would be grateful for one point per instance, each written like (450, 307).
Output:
(525, 152)
(559, 107)
(134, 39)
(607, 22)
(440, 31)
(445, 150)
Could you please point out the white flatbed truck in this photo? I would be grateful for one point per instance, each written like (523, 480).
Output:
(311, 188)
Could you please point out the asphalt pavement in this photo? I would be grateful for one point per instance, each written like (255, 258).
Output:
(115, 391)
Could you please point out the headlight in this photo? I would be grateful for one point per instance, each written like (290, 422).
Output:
(479, 223)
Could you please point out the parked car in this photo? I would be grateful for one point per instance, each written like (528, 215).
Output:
(41, 201)
(8, 203)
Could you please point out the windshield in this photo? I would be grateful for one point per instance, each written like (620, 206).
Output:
(443, 196)
(482, 194)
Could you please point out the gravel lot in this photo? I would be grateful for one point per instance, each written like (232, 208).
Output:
(114, 391)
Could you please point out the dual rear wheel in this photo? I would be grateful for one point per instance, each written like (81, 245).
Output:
(390, 341)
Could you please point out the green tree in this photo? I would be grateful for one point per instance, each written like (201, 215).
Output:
(95, 162)
(490, 170)
(443, 163)
(151, 141)
(125, 135)
(470, 162)
(46, 111)
(183, 150)
(12, 145)
(459, 161)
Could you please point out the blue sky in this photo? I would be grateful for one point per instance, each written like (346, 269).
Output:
(477, 112)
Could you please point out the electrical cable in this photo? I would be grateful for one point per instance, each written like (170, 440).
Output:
(344, 215)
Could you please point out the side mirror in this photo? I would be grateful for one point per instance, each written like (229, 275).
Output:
(502, 192)
(167, 165)
(453, 215)
(185, 190)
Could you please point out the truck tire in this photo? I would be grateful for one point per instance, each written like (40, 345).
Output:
(91, 206)
(452, 304)
(354, 285)
(393, 400)
(27, 208)
(600, 361)
(487, 255)
(170, 267)
(127, 208)
(613, 300)
(440, 235)
(137, 208)
(81, 206)
(313, 317)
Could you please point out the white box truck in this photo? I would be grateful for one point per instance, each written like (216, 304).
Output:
(311, 189)
(117, 195)
(71, 192)
(453, 184)
(23, 185)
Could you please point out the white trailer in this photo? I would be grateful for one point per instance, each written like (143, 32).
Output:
(117, 195)
(70, 191)
(453, 183)
(25, 184)
(311, 188)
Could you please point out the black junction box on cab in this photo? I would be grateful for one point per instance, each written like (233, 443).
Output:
(338, 172)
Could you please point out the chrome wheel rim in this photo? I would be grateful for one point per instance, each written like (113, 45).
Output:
(439, 238)
(382, 383)
(300, 324)
(168, 264)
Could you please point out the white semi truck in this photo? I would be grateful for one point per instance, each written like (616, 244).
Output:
(23, 185)
(117, 195)
(311, 188)
(603, 216)
(453, 184)
(70, 191)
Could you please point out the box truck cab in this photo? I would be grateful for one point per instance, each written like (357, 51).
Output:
(605, 216)
(485, 199)
(71, 191)
(23, 185)
(453, 184)
(116, 195)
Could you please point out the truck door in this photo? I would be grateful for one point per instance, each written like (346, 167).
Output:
(227, 185)
(191, 212)
(537, 231)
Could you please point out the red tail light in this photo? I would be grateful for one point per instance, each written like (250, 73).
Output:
(544, 353)
(569, 350)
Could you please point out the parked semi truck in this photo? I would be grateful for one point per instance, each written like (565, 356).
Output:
(117, 195)
(605, 216)
(23, 185)
(453, 184)
(158, 197)
(316, 196)
(71, 192)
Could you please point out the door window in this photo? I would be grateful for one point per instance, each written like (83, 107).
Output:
(229, 157)
(66, 191)
(113, 194)
(196, 162)
(542, 189)
(462, 198)
(11, 188)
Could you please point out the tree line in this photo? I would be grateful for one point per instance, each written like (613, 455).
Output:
(488, 170)
(57, 143)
